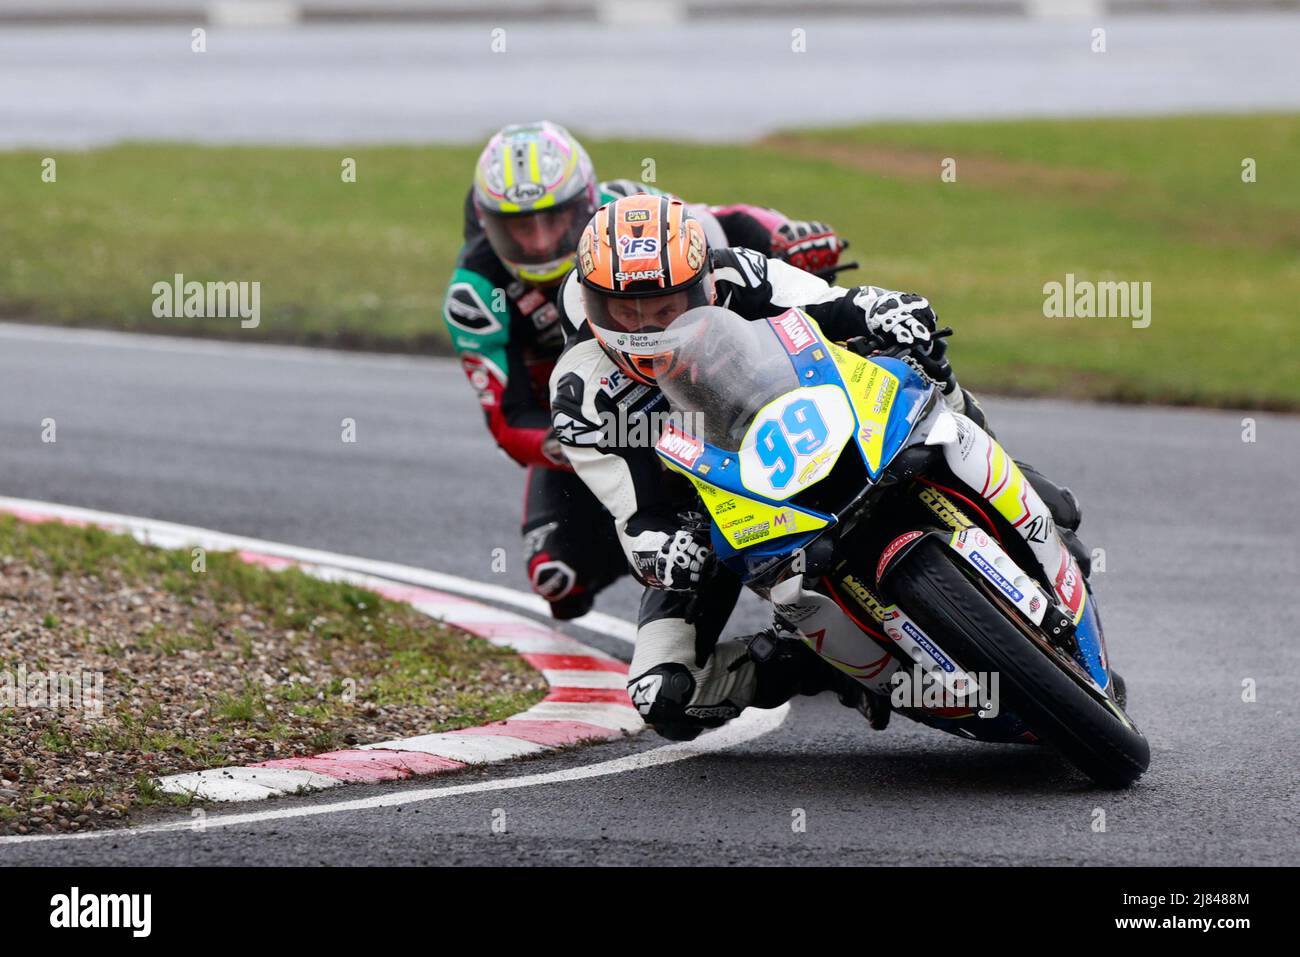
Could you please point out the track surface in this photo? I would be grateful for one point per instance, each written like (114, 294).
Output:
(353, 83)
(1198, 594)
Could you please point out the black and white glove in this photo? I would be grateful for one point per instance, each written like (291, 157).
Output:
(904, 317)
(685, 560)
(904, 324)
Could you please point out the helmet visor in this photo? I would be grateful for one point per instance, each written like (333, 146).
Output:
(642, 315)
(539, 237)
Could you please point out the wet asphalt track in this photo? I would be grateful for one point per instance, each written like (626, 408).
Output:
(352, 83)
(1198, 594)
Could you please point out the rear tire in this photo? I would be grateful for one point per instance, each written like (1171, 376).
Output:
(930, 587)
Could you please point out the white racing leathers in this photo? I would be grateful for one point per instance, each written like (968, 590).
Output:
(681, 678)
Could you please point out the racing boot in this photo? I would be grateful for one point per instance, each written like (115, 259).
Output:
(785, 666)
(573, 605)
(876, 708)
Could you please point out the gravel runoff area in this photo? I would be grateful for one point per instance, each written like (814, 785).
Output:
(120, 662)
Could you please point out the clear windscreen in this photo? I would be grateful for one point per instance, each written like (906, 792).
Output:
(721, 371)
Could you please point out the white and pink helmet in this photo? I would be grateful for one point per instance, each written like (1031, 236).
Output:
(534, 192)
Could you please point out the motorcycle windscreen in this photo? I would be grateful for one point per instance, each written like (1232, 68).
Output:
(736, 381)
(722, 370)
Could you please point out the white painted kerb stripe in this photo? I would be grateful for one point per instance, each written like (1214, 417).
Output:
(467, 748)
(505, 629)
(584, 679)
(618, 716)
(750, 725)
(246, 784)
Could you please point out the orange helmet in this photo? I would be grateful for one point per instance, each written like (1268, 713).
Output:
(642, 262)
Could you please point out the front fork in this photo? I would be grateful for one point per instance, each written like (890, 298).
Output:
(978, 460)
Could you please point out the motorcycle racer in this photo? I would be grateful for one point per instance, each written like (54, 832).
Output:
(643, 261)
(533, 193)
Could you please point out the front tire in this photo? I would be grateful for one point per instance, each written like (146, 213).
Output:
(930, 587)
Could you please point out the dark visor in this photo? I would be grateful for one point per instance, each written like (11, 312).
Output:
(539, 237)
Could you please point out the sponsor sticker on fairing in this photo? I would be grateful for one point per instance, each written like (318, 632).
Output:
(886, 397)
(753, 533)
(794, 332)
(682, 449)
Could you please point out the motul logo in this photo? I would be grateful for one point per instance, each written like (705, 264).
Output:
(794, 331)
(681, 448)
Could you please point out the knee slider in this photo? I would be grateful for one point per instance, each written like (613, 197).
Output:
(662, 693)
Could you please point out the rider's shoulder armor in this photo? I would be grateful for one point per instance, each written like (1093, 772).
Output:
(475, 308)
(574, 414)
(742, 281)
(588, 389)
(573, 312)
(612, 189)
(739, 267)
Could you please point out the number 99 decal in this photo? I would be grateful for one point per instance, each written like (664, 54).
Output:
(795, 440)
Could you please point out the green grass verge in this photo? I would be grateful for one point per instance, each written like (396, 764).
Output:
(363, 264)
(288, 664)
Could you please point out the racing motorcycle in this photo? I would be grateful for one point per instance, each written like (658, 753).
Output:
(896, 537)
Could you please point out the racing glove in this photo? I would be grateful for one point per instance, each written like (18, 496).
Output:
(905, 324)
(685, 560)
(809, 245)
(931, 356)
(904, 317)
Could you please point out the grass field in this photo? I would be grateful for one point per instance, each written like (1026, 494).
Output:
(364, 264)
(208, 665)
